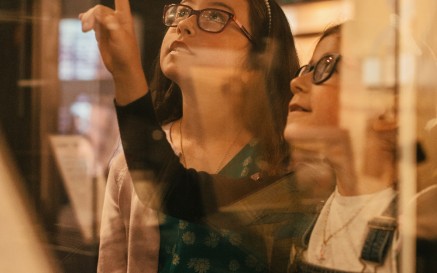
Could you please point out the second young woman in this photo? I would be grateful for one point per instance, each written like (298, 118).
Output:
(355, 230)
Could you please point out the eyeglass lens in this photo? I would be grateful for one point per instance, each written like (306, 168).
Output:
(211, 20)
(174, 14)
(323, 69)
(304, 70)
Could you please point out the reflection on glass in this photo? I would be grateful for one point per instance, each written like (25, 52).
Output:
(207, 185)
(78, 53)
(21, 240)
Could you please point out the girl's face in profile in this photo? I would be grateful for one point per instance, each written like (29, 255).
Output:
(186, 45)
(315, 105)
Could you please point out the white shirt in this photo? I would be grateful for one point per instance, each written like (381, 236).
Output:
(345, 231)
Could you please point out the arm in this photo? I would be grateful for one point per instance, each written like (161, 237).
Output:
(161, 181)
(113, 241)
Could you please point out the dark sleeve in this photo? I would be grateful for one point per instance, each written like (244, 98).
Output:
(154, 166)
(160, 180)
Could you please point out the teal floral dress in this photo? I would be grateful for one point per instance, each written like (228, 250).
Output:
(189, 247)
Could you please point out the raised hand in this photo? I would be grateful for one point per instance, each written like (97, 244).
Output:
(115, 35)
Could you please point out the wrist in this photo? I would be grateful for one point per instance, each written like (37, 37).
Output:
(130, 84)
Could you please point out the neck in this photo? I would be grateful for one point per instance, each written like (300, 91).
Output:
(364, 184)
(212, 129)
(212, 108)
(205, 123)
(209, 149)
(377, 172)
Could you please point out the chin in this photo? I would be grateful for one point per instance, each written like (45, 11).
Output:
(291, 131)
(171, 65)
(172, 72)
(302, 130)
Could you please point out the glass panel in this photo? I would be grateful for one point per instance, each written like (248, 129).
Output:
(210, 186)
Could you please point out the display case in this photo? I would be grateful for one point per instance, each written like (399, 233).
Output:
(59, 132)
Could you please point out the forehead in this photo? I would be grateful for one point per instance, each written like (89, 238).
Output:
(234, 6)
(329, 44)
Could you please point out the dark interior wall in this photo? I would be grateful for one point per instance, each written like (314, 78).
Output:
(16, 43)
(15, 64)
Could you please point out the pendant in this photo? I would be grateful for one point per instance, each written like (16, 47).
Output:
(322, 257)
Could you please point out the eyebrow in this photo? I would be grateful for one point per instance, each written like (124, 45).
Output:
(214, 4)
(223, 5)
(185, 2)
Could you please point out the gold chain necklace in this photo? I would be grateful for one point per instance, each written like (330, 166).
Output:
(322, 257)
(226, 155)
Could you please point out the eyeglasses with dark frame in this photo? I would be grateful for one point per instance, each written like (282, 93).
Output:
(209, 20)
(322, 69)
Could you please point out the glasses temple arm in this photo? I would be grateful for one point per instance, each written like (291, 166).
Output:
(244, 30)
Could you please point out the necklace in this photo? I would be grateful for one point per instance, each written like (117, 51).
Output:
(222, 161)
(326, 239)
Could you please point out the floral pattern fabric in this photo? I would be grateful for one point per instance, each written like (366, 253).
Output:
(189, 247)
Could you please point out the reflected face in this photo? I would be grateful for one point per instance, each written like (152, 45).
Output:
(315, 105)
(186, 45)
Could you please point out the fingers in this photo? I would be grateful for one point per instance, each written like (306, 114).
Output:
(99, 16)
(87, 20)
(122, 6)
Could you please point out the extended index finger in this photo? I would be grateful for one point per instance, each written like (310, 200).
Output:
(122, 6)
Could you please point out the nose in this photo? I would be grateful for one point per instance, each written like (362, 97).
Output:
(301, 84)
(187, 26)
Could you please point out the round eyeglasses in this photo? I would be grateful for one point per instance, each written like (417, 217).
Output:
(209, 20)
(322, 69)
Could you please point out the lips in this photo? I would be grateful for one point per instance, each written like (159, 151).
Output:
(297, 108)
(180, 47)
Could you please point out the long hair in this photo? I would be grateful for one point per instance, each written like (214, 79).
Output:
(275, 46)
(274, 55)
